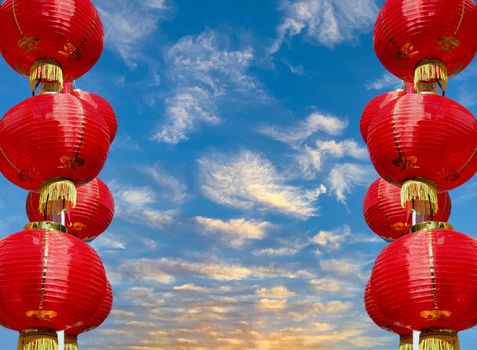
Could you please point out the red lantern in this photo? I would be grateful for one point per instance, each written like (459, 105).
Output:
(103, 108)
(426, 40)
(71, 334)
(52, 142)
(426, 143)
(92, 215)
(49, 281)
(373, 108)
(50, 41)
(385, 215)
(405, 334)
(427, 281)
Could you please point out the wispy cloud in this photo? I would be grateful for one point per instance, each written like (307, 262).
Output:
(387, 81)
(303, 130)
(137, 205)
(203, 70)
(173, 190)
(324, 22)
(235, 232)
(343, 177)
(166, 270)
(129, 24)
(248, 180)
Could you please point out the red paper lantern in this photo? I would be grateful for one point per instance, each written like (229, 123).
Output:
(50, 41)
(103, 108)
(427, 281)
(373, 107)
(424, 142)
(92, 215)
(385, 215)
(49, 281)
(405, 334)
(52, 142)
(71, 334)
(426, 40)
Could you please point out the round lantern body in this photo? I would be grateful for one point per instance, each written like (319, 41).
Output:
(50, 137)
(409, 33)
(48, 280)
(92, 215)
(428, 280)
(50, 41)
(424, 137)
(405, 334)
(103, 108)
(385, 215)
(71, 334)
(373, 108)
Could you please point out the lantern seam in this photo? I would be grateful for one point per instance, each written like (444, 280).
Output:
(90, 30)
(432, 270)
(83, 124)
(45, 268)
(468, 161)
(461, 18)
(95, 203)
(385, 29)
(16, 19)
(393, 123)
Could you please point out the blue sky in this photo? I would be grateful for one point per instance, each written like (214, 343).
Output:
(238, 173)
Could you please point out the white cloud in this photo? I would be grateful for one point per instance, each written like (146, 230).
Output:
(344, 267)
(203, 69)
(332, 239)
(165, 270)
(109, 241)
(174, 190)
(325, 22)
(310, 158)
(128, 24)
(136, 204)
(280, 251)
(335, 287)
(343, 177)
(235, 232)
(191, 288)
(247, 180)
(277, 292)
(387, 81)
(303, 130)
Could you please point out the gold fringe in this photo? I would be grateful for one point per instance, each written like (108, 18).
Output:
(71, 342)
(38, 339)
(46, 72)
(439, 339)
(56, 196)
(405, 342)
(430, 72)
(422, 196)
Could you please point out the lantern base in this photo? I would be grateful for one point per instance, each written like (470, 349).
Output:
(405, 342)
(38, 339)
(421, 196)
(56, 196)
(430, 72)
(438, 339)
(71, 342)
(47, 72)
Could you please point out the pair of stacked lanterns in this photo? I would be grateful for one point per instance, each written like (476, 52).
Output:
(54, 144)
(422, 144)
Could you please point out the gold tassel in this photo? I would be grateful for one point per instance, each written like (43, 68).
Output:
(405, 342)
(430, 72)
(38, 339)
(46, 72)
(439, 339)
(71, 342)
(56, 196)
(421, 195)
